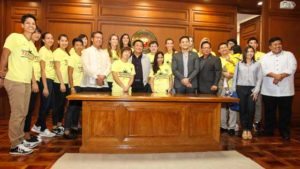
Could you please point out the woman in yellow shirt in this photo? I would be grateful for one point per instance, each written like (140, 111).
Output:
(113, 50)
(60, 86)
(123, 72)
(170, 51)
(47, 82)
(75, 72)
(161, 75)
(37, 74)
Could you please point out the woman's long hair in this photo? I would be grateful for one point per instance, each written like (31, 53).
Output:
(121, 40)
(245, 54)
(109, 48)
(155, 62)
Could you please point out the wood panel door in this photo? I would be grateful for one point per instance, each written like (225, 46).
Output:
(248, 29)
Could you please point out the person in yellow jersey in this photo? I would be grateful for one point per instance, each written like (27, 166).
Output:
(84, 39)
(46, 85)
(16, 75)
(192, 48)
(60, 86)
(123, 72)
(75, 74)
(153, 46)
(161, 80)
(170, 51)
(125, 41)
(228, 116)
(257, 126)
(37, 73)
(113, 50)
(204, 39)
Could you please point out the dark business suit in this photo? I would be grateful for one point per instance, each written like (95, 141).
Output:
(178, 71)
(210, 71)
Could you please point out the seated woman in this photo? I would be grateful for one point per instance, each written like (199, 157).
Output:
(161, 80)
(123, 72)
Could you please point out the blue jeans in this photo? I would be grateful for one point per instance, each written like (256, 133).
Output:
(45, 105)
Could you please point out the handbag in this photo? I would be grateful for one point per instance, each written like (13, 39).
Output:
(235, 106)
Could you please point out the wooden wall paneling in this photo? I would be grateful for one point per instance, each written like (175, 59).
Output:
(216, 36)
(66, 10)
(248, 29)
(72, 28)
(162, 32)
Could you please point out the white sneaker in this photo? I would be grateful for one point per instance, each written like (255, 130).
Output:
(20, 150)
(30, 144)
(47, 133)
(36, 129)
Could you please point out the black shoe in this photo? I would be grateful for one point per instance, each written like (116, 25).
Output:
(20, 150)
(58, 131)
(72, 135)
(231, 132)
(286, 136)
(257, 128)
(223, 130)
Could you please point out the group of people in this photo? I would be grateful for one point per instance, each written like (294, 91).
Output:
(124, 68)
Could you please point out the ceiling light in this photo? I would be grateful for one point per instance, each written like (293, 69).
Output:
(260, 3)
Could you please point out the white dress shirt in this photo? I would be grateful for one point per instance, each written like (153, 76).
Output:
(284, 62)
(185, 57)
(95, 62)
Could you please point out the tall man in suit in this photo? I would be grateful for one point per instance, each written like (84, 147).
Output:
(210, 70)
(185, 67)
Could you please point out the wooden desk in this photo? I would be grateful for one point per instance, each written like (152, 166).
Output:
(143, 123)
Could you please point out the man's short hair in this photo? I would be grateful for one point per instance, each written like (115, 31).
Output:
(184, 37)
(26, 16)
(223, 43)
(138, 40)
(205, 42)
(273, 39)
(153, 42)
(96, 32)
(251, 39)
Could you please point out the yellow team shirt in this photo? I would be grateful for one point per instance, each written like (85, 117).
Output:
(72, 51)
(258, 55)
(194, 50)
(168, 58)
(62, 57)
(125, 72)
(76, 63)
(112, 59)
(21, 58)
(151, 57)
(47, 56)
(161, 78)
(229, 67)
(37, 66)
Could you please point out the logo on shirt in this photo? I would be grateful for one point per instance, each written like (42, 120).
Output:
(27, 54)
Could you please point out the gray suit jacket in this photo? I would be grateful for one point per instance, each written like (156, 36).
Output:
(178, 70)
(210, 71)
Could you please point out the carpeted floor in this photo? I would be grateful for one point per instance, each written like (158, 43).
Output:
(199, 160)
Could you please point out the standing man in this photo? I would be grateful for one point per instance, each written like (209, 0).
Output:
(253, 42)
(185, 67)
(153, 46)
(96, 65)
(278, 68)
(16, 75)
(210, 70)
(142, 68)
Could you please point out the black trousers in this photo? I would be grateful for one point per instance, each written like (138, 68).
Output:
(32, 104)
(59, 103)
(284, 105)
(73, 111)
(247, 106)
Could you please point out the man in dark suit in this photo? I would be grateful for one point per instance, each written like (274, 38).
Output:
(185, 67)
(210, 70)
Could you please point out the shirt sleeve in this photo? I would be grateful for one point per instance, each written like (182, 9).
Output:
(71, 62)
(10, 42)
(107, 65)
(151, 73)
(292, 64)
(258, 79)
(114, 67)
(235, 77)
(264, 66)
(133, 70)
